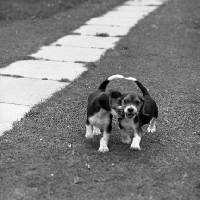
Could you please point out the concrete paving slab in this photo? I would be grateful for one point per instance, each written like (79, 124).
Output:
(136, 9)
(70, 54)
(112, 31)
(9, 114)
(87, 41)
(125, 14)
(107, 21)
(25, 91)
(147, 3)
(45, 69)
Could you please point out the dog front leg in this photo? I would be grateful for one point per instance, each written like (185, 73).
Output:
(125, 136)
(104, 142)
(89, 131)
(135, 145)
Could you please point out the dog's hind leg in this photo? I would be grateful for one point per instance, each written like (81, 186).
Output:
(96, 131)
(152, 126)
(89, 131)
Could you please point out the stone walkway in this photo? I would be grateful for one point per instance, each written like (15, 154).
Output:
(28, 82)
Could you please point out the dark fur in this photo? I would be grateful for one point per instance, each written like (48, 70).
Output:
(146, 110)
(101, 106)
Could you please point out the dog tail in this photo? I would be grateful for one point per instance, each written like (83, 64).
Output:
(105, 83)
(142, 88)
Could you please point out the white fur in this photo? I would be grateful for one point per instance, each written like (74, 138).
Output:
(130, 78)
(136, 142)
(100, 119)
(128, 123)
(89, 132)
(152, 126)
(131, 106)
(96, 131)
(104, 143)
(125, 137)
(116, 76)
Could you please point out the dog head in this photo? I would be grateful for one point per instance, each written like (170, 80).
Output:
(110, 101)
(132, 104)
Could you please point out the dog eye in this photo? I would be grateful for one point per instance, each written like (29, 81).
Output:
(125, 101)
(137, 102)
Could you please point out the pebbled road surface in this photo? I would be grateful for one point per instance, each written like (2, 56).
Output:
(46, 156)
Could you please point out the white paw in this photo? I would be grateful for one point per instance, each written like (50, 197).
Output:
(136, 148)
(103, 149)
(96, 131)
(104, 143)
(89, 134)
(135, 145)
(151, 129)
(126, 140)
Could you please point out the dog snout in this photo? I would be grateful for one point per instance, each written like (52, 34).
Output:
(130, 110)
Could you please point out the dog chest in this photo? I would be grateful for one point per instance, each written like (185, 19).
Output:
(128, 123)
(100, 119)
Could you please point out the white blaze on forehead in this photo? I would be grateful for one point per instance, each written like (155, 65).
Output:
(131, 78)
(116, 76)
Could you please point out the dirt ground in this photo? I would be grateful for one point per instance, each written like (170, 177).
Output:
(46, 156)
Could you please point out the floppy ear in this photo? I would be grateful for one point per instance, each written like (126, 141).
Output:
(104, 101)
(115, 94)
(145, 107)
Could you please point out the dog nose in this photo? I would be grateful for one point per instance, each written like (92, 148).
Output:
(130, 110)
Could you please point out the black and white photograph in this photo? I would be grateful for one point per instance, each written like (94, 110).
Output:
(99, 99)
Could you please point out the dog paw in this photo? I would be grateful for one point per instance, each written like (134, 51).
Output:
(126, 140)
(135, 148)
(151, 129)
(103, 149)
(96, 131)
(135, 145)
(89, 136)
(89, 132)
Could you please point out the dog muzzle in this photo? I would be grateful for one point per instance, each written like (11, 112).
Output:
(120, 112)
(130, 112)
(128, 115)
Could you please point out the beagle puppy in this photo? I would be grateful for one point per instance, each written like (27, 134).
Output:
(138, 110)
(101, 107)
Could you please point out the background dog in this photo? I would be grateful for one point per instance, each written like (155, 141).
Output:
(138, 110)
(101, 106)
